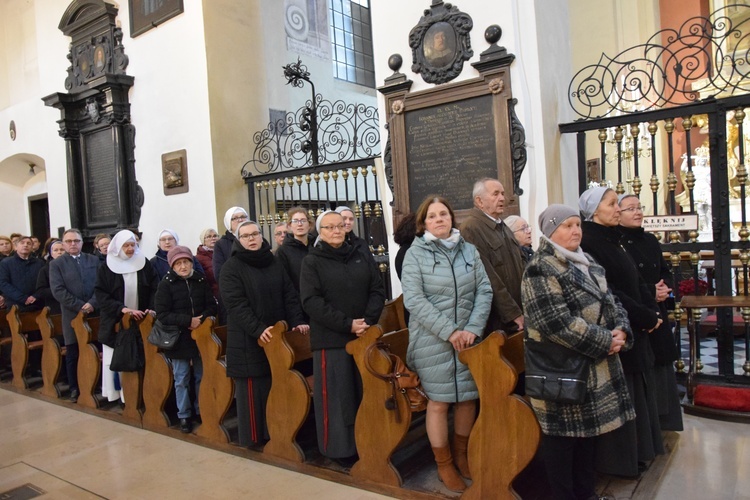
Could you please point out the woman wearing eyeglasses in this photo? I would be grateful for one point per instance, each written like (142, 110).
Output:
(343, 295)
(205, 255)
(257, 293)
(126, 284)
(297, 243)
(627, 450)
(168, 239)
(522, 234)
(645, 250)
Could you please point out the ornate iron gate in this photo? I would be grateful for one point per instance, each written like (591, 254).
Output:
(319, 157)
(692, 156)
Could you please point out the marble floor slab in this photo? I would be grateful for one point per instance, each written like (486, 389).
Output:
(70, 454)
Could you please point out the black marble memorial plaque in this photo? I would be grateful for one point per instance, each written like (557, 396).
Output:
(448, 148)
(100, 179)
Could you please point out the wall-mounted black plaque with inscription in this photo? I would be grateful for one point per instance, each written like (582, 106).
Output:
(448, 148)
(100, 183)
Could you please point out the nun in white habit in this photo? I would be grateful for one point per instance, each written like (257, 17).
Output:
(126, 284)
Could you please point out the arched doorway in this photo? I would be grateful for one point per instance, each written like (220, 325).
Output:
(23, 191)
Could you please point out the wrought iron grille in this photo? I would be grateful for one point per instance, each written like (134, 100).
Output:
(322, 132)
(675, 66)
(666, 121)
(320, 157)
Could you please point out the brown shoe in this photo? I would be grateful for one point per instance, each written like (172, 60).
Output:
(460, 458)
(446, 472)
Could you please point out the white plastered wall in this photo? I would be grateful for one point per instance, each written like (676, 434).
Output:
(170, 111)
(28, 31)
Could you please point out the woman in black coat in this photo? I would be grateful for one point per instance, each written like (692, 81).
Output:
(223, 250)
(184, 299)
(127, 284)
(257, 293)
(645, 250)
(296, 244)
(627, 450)
(343, 295)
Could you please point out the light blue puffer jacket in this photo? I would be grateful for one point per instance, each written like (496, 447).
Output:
(444, 290)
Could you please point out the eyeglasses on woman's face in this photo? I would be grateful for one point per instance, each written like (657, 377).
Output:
(637, 208)
(523, 229)
(298, 222)
(332, 227)
(249, 236)
(239, 217)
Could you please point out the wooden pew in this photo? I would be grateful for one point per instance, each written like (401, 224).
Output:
(290, 397)
(5, 343)
(89, 359)
(377, 430)
(506, 433)
(158, 381)
(52, 351)
(132, 382)
(392, 318)
(217, 390)
(20, 324)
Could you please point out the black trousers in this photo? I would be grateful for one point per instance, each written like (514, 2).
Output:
(569, 462)
(71, 365)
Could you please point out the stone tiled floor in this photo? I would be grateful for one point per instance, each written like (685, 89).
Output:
(70, 454)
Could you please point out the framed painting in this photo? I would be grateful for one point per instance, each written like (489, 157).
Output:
(147, 14)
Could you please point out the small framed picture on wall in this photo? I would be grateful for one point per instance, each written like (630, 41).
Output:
(147, 14)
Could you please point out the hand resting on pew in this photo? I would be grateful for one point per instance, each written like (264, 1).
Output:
(462, 339)
(359, 327)
(138, 315)
(266, 336)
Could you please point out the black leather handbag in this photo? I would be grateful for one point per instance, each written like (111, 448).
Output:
(555, 373)
(164, 336)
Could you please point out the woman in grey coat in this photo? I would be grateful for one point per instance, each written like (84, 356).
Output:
(448, 295)
(566, 301)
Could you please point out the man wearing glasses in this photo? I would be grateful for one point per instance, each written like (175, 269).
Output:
(279, 234)
(72, 278)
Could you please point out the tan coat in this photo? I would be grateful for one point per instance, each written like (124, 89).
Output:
(502, 261)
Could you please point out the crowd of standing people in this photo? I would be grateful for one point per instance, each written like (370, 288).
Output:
(596, 285)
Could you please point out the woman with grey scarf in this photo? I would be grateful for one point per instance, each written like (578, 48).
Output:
(566, 300)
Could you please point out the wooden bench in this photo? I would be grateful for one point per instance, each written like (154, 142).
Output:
(158, 381)
(20, 325)
(392, 318)
(291, 392)
(506, 433)
(52, 351)
(89, 359)
(5, 343)
(132, 382)
(378, 430)
(217, 390)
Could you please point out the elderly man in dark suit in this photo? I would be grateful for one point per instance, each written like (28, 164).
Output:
(499, 252)
(72, 278)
